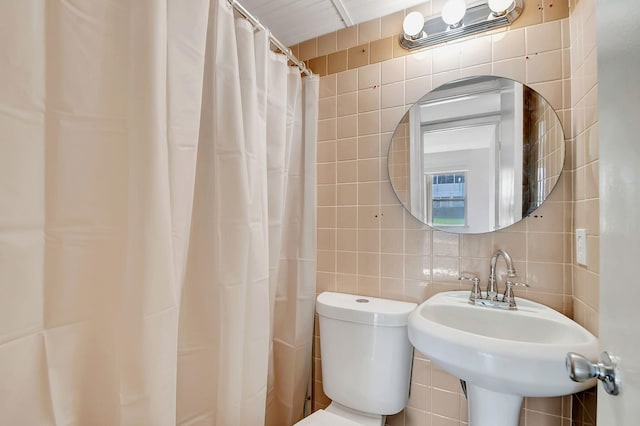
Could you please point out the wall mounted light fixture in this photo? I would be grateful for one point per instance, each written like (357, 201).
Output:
(452, 13)
(458, 20)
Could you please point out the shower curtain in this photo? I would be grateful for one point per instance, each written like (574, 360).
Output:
(157, 216)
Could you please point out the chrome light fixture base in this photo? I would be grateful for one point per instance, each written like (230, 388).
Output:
(478, 18)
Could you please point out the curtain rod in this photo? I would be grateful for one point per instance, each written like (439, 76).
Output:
(277, 43)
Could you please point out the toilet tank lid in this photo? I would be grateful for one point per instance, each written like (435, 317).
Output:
(364, 309)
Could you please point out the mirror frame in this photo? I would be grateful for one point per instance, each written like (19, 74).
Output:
(535, 190)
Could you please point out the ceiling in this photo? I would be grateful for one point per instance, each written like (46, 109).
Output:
(294, 21)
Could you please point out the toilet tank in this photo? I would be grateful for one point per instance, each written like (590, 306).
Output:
(366, 353)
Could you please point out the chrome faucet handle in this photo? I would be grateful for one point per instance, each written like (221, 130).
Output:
(508, 293)
(467, 276)
(476, 293)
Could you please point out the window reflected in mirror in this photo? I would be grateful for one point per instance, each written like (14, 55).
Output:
(447, 199)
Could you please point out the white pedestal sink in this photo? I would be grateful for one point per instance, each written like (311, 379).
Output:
(502, 355)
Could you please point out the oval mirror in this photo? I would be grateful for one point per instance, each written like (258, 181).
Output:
(476, 155)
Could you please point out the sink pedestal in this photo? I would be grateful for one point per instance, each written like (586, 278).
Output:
(490, 408)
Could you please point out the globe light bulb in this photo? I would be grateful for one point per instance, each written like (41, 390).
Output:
(413, 24)
(453, 11)
(498, 7)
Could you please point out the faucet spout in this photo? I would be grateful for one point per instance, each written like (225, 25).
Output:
(492, 286)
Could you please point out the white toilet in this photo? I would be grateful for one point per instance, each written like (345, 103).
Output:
(366, 359)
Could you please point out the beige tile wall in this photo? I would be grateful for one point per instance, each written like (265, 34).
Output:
(585, 153)
(368, 244)
(584, 170)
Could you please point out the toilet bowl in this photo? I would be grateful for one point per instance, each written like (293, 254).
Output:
(366, 359)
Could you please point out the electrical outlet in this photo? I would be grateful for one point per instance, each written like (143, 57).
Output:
(581, 246)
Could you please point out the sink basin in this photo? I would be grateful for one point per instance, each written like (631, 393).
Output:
(502, 355)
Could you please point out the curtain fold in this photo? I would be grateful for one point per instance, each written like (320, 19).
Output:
(292, 233)
(224, 336)
(157, 217)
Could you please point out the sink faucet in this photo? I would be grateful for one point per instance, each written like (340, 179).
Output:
(492, 286)
(492, 299)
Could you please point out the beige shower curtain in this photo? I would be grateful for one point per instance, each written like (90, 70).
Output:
(157, 167)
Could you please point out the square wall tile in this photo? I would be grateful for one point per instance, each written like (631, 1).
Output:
(308, 49)
(347, 171)
(369, 31)
(347, 126)
(543, 37)
(416, 88)
(446, 58)
(326, 129)
(392, 71)
(346, 149)
(327, 86)
(347, 81)
(369, 99)
(419, 64)
(347, 107)
(328, 43)
(552, 10)
(508, 44)
(369, 123)
(318, 65)
(369, 146)
(381, 50)
(389, 119)
(337, 62)
(514, 69)
(544, 66)
(391, 25)
(476, 51)
(392, 95)
(484, 69)
(391, 241)
(358, 56)
(438, 80)
(347, 194)
(369, 76)
(327, 108)
(347, 37)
